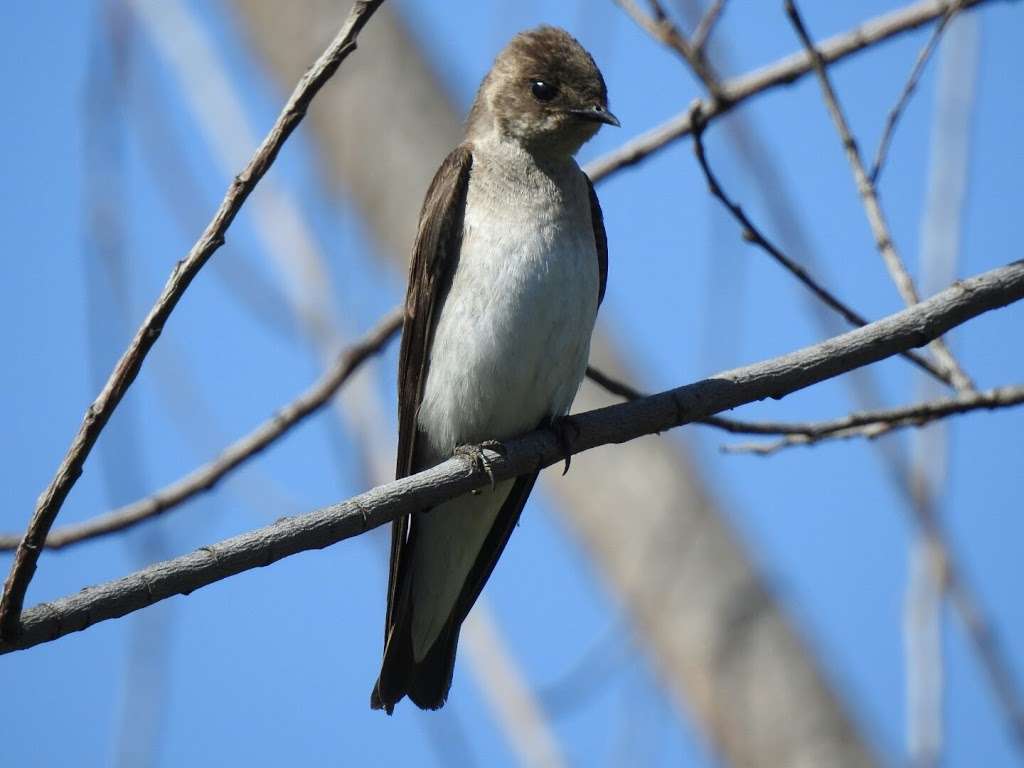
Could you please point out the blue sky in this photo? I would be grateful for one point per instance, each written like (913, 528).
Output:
(276, 665)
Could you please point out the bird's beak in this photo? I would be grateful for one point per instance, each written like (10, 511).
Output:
(598, 114)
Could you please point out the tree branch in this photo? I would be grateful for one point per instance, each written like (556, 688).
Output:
(882, 152)
(869, 195)
(699, 38)
(207, 476)
(752, 234)
(872, 424)
(774, 378)
(782, 72)
(127, 368)
(661, 28)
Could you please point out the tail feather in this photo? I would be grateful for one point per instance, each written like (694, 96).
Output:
(427, 681)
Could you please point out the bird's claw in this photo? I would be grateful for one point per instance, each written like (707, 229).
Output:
(478, 459)
(561, 426)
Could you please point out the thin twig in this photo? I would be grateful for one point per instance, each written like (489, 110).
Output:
(881, 153)
(661, 27)
(752, 234)
(782, 72)
(207, 476)
(876, 217)
(699, 38)
(184, 272)
(614, 424)
(872, 424)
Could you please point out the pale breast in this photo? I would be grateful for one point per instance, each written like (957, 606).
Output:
(512, 341)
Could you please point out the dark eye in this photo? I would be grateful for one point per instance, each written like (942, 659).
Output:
(543, 91)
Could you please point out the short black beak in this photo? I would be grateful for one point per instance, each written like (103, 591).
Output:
(598, 114)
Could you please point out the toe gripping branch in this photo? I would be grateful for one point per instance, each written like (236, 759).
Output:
(478, 458)
(562, 426)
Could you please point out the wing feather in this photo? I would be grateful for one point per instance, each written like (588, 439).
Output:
(434, 254)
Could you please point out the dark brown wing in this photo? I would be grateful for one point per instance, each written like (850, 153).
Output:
(434, 253)
(600, 240)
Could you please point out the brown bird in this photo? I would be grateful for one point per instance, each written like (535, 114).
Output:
(508, 269)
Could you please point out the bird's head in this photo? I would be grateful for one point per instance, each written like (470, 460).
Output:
(545, 92)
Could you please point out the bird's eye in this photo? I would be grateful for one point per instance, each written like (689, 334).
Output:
(543, 91)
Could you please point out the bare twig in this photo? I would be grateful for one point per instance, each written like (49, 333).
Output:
(865, 424)
(782, 72)
(614, 424)
(872, 424)
(207, 476)
(872, 207)
(127, 368)
(661, 27)
(752, 234)
(699, 38)
(908, 90)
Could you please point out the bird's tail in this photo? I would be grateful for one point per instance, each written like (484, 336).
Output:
(427, 681)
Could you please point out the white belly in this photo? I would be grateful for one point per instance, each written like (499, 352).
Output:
(512, 342)
(510, 349)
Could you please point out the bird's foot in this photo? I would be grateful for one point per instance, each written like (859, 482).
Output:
(479, 460)
(562, 426)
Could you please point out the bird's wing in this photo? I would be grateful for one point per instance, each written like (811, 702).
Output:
(600, 240)
(434, 253)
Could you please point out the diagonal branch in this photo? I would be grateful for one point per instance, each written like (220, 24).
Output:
(706, 25)
(882, 152)
(661, 28)
(127, 368)
(869, 195)
(774, 378)
(752, 234)
(872, 424)
(782, 72)
(231, 458)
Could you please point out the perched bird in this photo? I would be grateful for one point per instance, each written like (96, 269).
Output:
(508, 269)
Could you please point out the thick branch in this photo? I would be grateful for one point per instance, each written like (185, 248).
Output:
(782, 72)
(128, 366)
(614, 424)
(207, 476)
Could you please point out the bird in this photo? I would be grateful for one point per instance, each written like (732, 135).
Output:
(509, 267)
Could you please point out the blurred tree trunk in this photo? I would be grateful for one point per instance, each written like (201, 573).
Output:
(719, 639)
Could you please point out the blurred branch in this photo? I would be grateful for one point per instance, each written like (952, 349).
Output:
(197, 62)
(96, 417)
(699, 38)
(941, 236)
(208, 475)
(752, 234)
(922, 641)
(661, 27)
(782, 72)
(869, 196)
(872, 424)
(161, 149)
(881, 153)
(110, 308)
(524, 721)
(615, 424)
